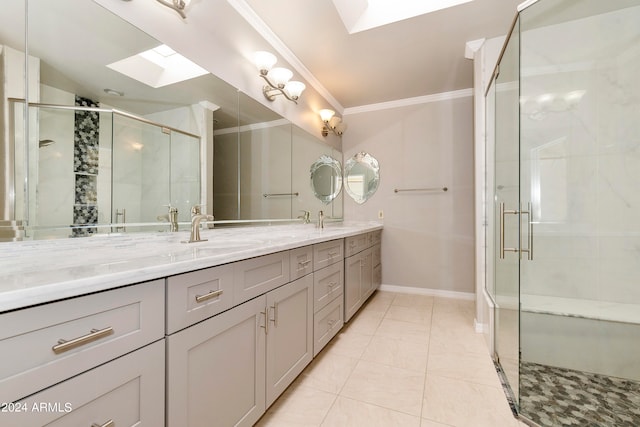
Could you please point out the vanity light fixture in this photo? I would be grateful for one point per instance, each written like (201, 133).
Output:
(277, 78)
(177, 5)
(332, 123)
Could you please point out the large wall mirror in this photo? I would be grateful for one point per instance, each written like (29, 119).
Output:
(115, 135)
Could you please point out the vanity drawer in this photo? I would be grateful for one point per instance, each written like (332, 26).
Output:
(97, 328)
(327, 284)
(198, 295)
(258, 276)
(301, 262)
(355, 244)
(327, 323)
(327, 253)
(128, 391)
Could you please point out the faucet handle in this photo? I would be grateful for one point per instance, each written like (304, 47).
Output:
(196, 209)
(171, 208)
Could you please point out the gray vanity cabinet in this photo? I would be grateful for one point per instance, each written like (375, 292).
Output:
(289, 335)
(362, 270)
(216, 369)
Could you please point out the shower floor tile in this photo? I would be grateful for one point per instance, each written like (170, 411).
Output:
(554, 397)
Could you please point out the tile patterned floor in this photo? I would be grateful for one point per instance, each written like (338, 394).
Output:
(562, 397)
(403, 360)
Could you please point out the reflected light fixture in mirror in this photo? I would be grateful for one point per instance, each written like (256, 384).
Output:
(277, 78)
(177, 5)
(332, 123)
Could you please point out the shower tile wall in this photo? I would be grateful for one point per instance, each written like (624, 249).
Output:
(85, 165)
(581, 139)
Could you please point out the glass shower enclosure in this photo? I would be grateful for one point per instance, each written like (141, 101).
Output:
(563, 155)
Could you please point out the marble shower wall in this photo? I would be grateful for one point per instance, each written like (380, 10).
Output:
(580, 145)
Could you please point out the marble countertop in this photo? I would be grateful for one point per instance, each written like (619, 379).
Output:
(35, 272)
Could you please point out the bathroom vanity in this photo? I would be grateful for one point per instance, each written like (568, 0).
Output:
(145, 330)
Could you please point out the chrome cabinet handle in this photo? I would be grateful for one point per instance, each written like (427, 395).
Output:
(266, 320)
(95, 334)
(504, 212)
(275, 314)
(211, 294)
(330, 285)
(109, 423)
(332, 254)
(303, 264)
(331, 323)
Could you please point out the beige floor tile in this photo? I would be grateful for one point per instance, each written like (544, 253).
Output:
(414, 332)
(397, 353)
(365, 322)
(381, 303)
(445, 339)
(463, 403)
(386, 386)
(298, 406)
(420, 315)
(412, 300)
(352, 413)
(347, 343)
(430, 423)
(328, 372)
(464, 366)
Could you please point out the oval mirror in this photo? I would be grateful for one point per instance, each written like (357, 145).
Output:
(362, 176)
(326, 178)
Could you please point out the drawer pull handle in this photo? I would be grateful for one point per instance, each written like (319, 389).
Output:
(331, 323)
(303, 264)
(211, 294)
(275, 314)
(332, 284)
(109, 423)
(332, 254)
(95, 334)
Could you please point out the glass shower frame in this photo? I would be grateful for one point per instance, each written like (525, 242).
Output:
(577, 119)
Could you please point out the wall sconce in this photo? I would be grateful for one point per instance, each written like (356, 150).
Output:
(177, 5)
(277, 78)
(332, 123)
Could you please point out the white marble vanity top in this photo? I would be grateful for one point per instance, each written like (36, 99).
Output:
(35, 272)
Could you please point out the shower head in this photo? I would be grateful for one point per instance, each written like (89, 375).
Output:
(45, 142)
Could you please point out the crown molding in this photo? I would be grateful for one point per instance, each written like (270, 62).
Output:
(444, 96)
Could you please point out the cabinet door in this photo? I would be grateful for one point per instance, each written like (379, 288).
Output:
(290, 334)
(128, 391)
(215, 370)
(367, 274)
(352, 283)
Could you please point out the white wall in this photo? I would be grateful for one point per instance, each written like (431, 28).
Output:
(428, 238)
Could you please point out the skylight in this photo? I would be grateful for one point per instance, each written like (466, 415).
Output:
(158, 67)
(360, 15)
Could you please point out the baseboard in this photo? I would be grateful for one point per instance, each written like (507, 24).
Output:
(479, 326)
(430, 292)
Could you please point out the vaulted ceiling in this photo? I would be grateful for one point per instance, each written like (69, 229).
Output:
(417, 56)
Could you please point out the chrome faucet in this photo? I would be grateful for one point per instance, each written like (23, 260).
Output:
(320, 220)
(305, 217)
(171, 217)
(196, 217)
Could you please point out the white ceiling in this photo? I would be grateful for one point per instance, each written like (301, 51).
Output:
(418, 56)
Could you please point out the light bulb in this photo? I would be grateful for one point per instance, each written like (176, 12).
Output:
(280, 76)
(294, 89)
(264, 61)
(326, 115)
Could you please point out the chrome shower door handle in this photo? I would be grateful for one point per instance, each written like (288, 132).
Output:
(529, 248)
(504, 212)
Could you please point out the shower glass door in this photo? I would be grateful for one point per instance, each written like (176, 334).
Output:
(506, 227)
